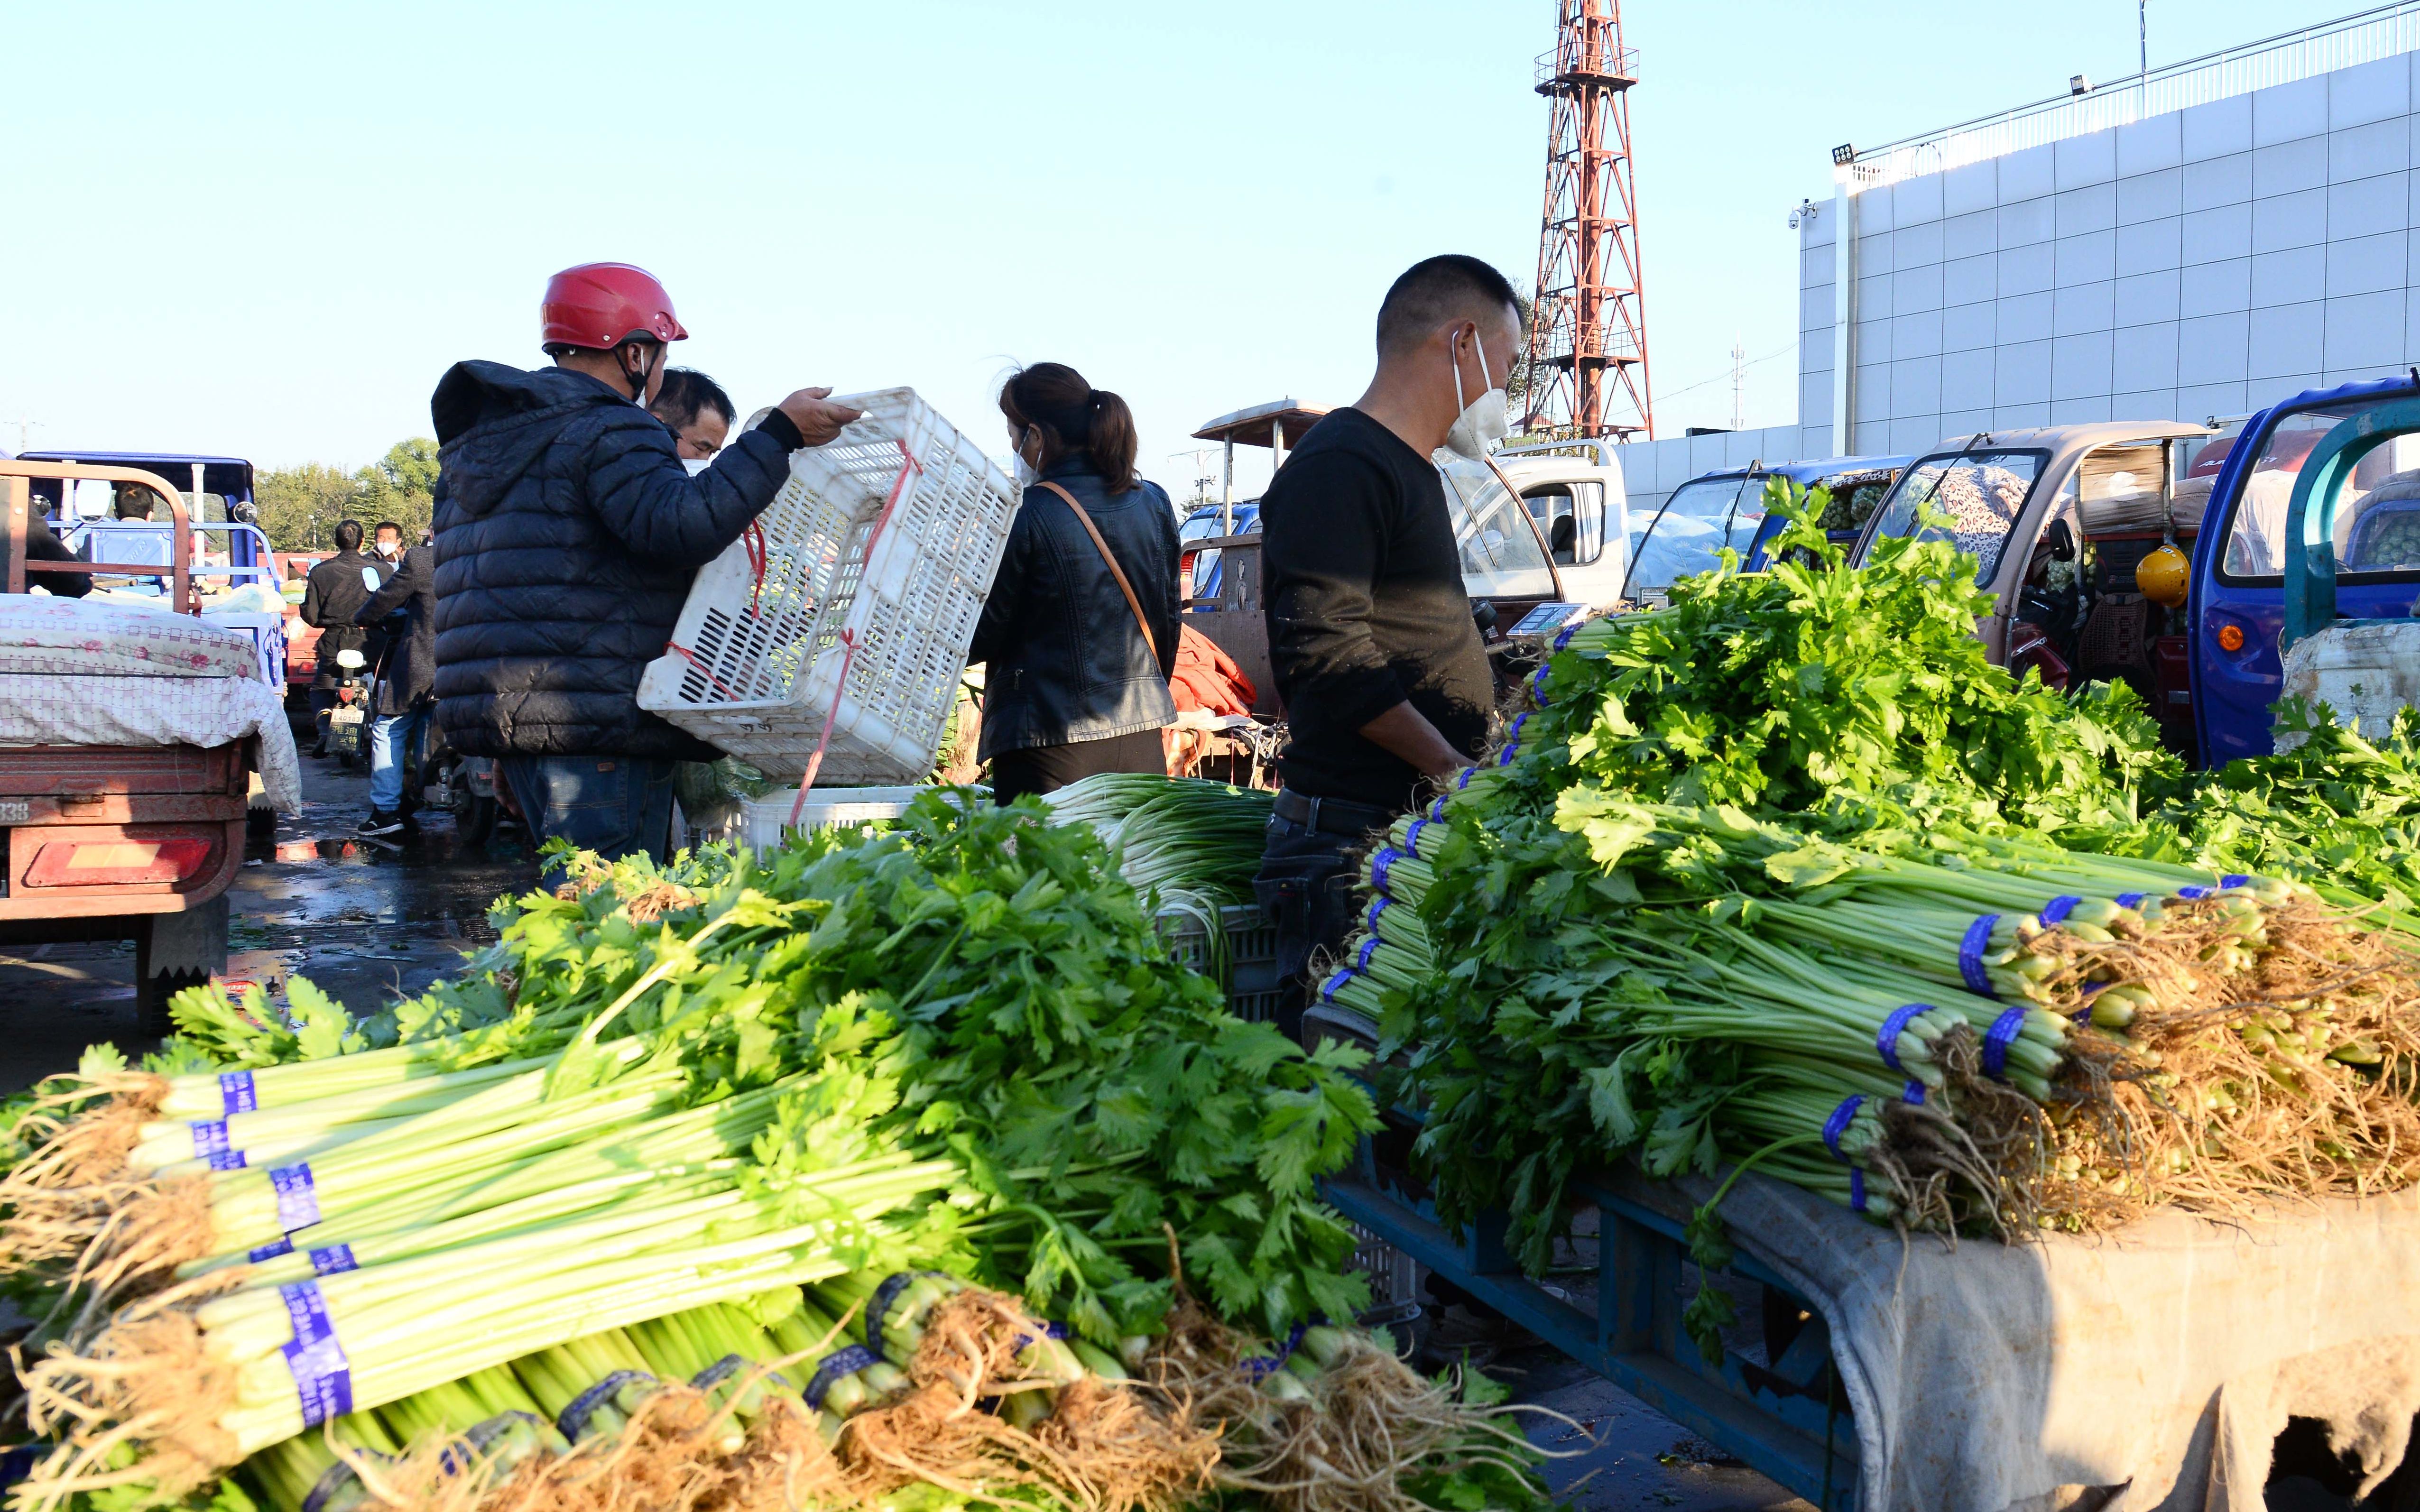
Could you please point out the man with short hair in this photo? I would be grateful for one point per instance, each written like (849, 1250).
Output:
(386, 540)
(698, 411)
(569, 533)
(1385, 678)
(405, 608)
(332, 595)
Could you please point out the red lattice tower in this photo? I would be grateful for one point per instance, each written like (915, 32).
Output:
(1587, 334)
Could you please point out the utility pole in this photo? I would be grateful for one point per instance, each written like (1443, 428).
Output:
(1204, 473)
(1739, 375)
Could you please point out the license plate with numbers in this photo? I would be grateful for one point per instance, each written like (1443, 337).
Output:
(16, 812)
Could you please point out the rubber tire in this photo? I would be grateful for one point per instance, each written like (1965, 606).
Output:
(475, 821)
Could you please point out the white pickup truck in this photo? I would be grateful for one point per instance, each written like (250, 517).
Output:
(1569, 539)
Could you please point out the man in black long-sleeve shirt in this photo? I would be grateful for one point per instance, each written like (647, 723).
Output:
(331, 594)
(1384, 679)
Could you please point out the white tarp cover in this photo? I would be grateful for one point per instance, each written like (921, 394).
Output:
(2149, 1370)
(47, 709)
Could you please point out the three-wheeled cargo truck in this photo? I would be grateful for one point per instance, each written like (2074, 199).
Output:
(2081, 532)
(123, 798)
(1726, 509)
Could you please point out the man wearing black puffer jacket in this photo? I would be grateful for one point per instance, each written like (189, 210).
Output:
(567, 535)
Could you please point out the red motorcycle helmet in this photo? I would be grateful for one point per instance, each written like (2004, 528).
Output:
(601, 305)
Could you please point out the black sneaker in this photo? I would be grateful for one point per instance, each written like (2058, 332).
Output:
(379, 822)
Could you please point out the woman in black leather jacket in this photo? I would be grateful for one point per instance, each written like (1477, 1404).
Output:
(1077, 668)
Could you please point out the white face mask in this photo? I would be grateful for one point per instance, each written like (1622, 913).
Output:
(1483, 421)
(1026, 474)
(696, 463)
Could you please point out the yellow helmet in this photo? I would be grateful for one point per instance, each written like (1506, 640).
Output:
(2163, 575)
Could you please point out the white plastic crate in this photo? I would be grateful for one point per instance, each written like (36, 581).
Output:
(769, 817)
(875, 557)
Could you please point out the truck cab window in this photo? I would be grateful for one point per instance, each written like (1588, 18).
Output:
(1695, 525)
(2377, 515)
(1571, 514)
(1982, 493)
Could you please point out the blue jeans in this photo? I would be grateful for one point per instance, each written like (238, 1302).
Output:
(393, 738)
(612, 804)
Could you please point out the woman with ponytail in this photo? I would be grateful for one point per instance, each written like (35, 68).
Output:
(1078, 635)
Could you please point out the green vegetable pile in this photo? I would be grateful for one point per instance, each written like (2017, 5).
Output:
(1786, 876)
(629, 1135)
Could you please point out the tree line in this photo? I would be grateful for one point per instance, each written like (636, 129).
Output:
(300, 506)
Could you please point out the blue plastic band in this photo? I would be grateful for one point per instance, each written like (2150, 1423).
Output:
(2234, 879)
(1563, 636)
(878, 1308)
(323, 1378)
(1914, 1096)
(209, 1138)
(338, 1477)
(2193, 890)
(1856, 1188)
(1378, 905)
(1888, 1040)
(2056, 910)
(2084, 1014)
(228, 1159)
(1996, 1040)
(1970, 955)
(297, 1201)
(271, 1252)
(1518, 720)
(1049, 1330)
(1260, 1367)
(1412, 837)
(716, 1373)
(236, 1094)
(1339, 978)
(1504, 756)
(1380, 864)
(2129, 900)
(1437, 809)
(1369, 947)
(1538, 684)
(574, 1421)
(1464, 781)
(333, 1260)
(836, 1365)
(1837, 1124)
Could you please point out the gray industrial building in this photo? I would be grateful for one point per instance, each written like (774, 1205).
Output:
(2199, 240)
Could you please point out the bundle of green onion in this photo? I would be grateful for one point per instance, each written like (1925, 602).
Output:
(1172, 833)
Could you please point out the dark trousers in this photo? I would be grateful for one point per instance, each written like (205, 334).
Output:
(1306, 886)
(1048, 769)
(611, 805)
(322, 700)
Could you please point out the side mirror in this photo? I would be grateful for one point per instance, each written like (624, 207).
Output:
(352, 660)
(2059, 541)
(370, 579)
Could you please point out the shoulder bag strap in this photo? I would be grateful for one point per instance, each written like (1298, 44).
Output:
(1115, 571)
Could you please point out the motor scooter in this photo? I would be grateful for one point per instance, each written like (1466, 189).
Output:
(347, 723)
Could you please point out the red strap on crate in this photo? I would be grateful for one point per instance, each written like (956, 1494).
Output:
(907, 463)
(685, 655)
(759, 554)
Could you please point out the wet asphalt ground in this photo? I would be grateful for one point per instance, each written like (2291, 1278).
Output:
(366, 920)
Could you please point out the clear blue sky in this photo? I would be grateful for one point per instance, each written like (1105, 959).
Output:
(265, 229)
